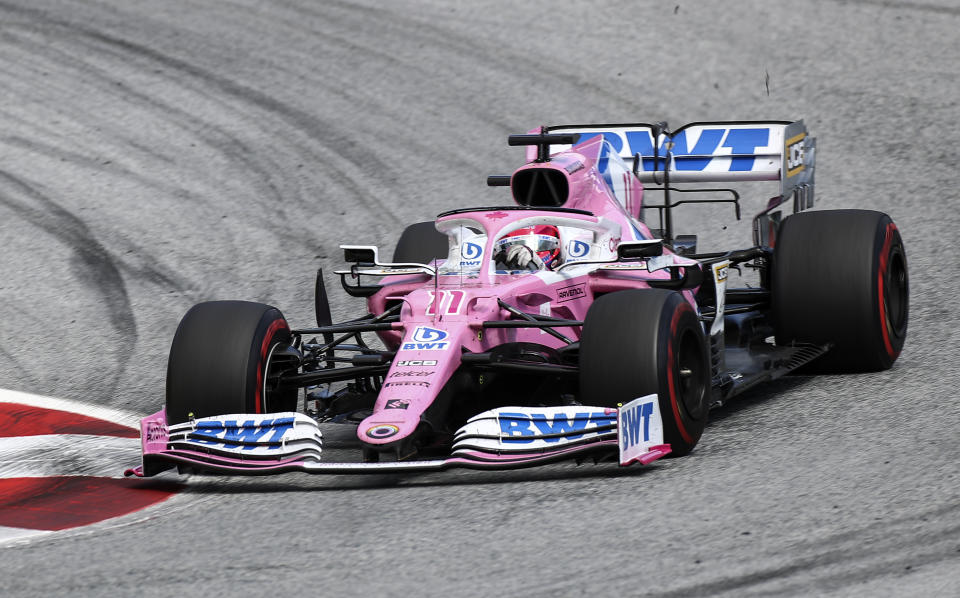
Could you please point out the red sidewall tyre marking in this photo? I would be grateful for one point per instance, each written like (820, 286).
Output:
(264, 348)
(881, 274)
(671, 383)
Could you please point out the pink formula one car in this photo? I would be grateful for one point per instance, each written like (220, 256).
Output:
(559, 327)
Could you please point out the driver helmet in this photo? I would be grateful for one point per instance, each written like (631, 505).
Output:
(542, 239)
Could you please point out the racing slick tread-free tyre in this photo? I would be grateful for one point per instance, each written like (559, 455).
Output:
(218, 360)
(840, 277)
(641, 342)
(420, 243)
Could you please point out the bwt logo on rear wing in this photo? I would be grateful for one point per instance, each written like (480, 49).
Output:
(711, 151)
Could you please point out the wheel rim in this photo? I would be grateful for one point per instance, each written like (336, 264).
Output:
(272, 369)
(895, 294)
(691, 375)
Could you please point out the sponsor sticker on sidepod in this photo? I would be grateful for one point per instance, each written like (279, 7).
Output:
(639, 428)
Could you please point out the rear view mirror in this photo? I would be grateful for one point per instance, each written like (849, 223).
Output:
(634, 250)
(359, 254)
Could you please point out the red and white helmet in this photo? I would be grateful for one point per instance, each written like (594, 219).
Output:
(542, 239)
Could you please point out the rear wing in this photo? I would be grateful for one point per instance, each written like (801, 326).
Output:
(707, 152)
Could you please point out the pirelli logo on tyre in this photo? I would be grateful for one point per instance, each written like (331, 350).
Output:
(793, 154)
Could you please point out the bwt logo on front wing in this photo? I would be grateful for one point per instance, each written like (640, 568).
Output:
(635, 427)
(427, 339)
(523, 427)
(231, 435)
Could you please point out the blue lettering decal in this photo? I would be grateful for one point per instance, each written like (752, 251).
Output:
(708, 142)
(745, 141)
(425, 346)
(631, 423)
(515, 425)
(642, 142)
(231, 435)
(646, 410)
(634, 421)
(234, 435)
(740, 141)
(209, 430)
(560, 424)
(280, 427)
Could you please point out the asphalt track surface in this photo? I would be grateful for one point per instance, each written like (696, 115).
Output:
(157, 154)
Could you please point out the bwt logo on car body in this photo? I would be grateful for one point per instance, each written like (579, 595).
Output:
(427, 339)
(524, 427)
(577, 249)
(232, 435)
(470, 252)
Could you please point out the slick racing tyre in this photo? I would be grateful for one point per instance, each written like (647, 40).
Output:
(223, 357)
(642, 342)
(420, 243)
(840, 277)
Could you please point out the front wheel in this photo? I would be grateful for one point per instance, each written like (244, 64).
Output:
(223, 358)
(642, 342)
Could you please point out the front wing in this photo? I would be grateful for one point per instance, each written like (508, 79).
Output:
(505, 438)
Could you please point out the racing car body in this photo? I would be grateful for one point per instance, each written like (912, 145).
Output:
(617, 348)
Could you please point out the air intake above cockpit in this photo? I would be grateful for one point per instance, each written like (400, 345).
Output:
(540, 187)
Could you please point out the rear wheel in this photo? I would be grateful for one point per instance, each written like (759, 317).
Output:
(840, 277)
(223, 359)
(420, 243)
(642, 342)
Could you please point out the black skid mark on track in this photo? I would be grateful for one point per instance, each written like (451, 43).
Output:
(339, 144)
(262, 168)
(152, 271)
(308, 124)
(97, 266)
